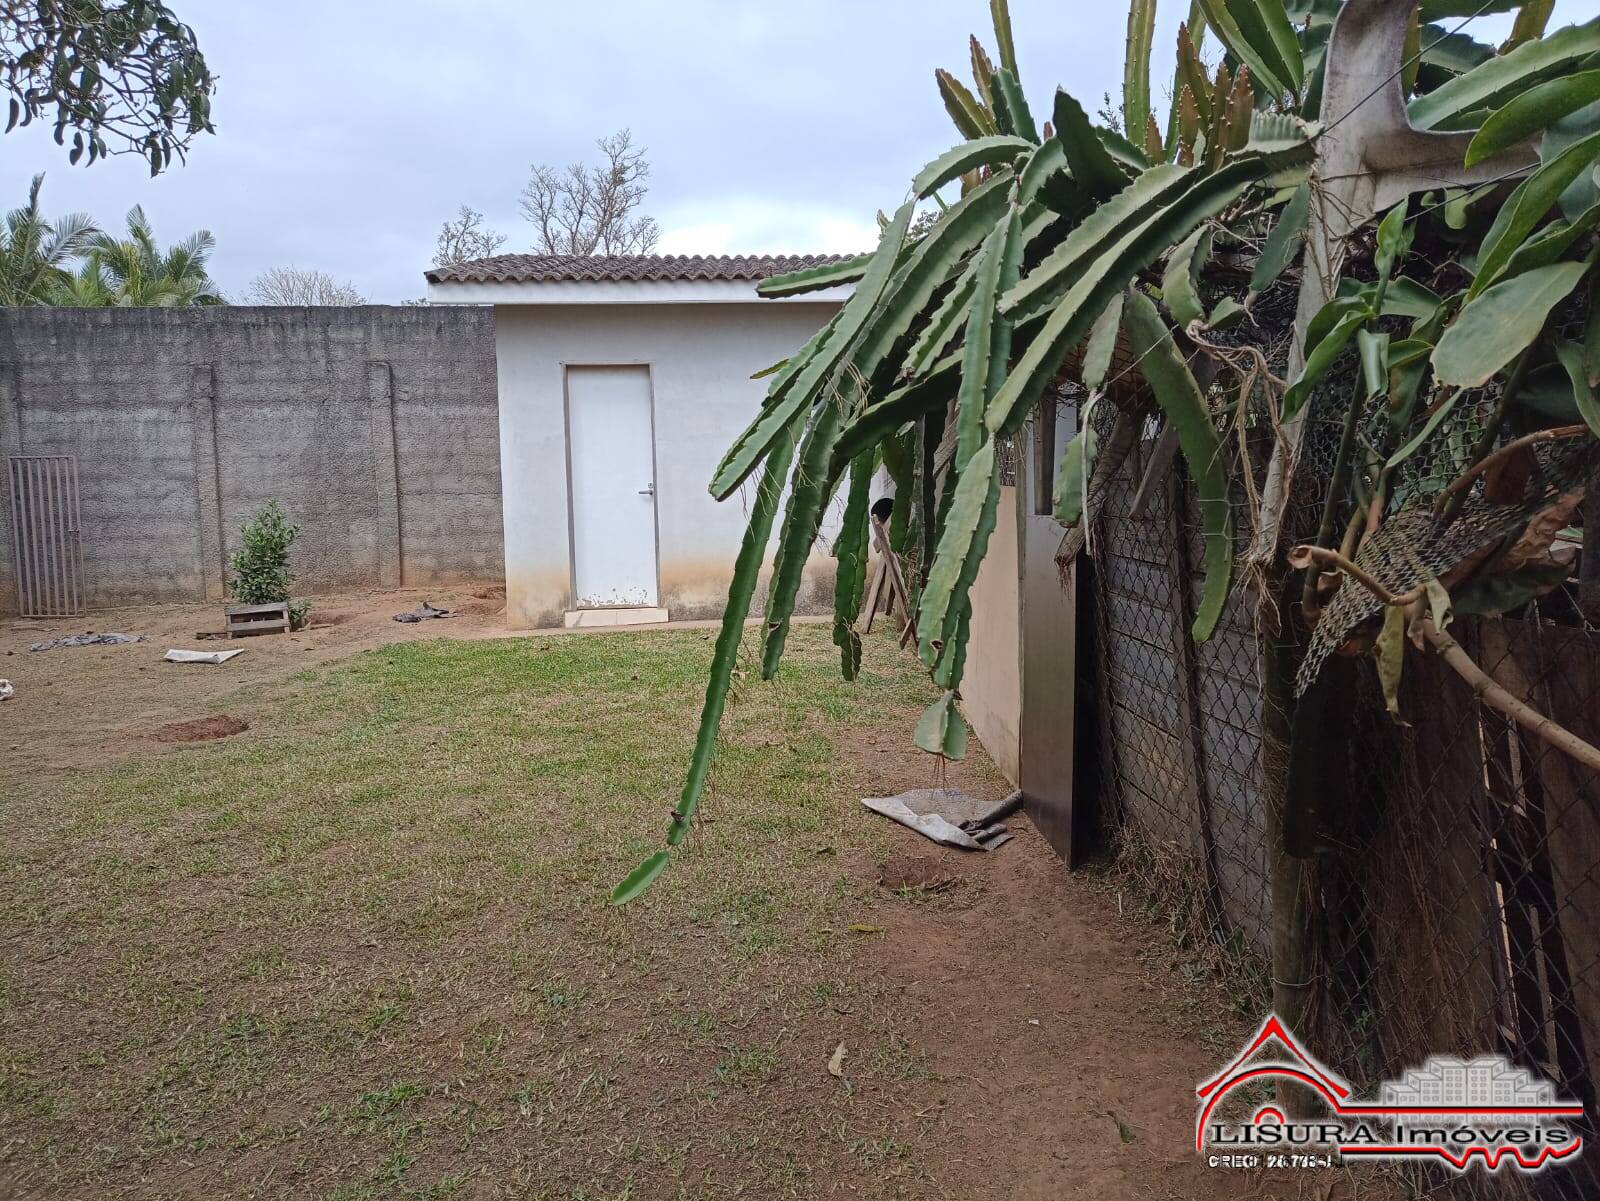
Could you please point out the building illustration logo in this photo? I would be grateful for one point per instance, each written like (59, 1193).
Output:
(1480, 1113)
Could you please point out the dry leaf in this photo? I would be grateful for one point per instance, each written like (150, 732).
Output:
(1534, 544)
(836, 1064)
(1390, 650)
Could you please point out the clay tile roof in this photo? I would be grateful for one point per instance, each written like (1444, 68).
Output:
(583, 268)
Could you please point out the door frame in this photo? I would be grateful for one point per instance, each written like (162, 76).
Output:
(566, 367)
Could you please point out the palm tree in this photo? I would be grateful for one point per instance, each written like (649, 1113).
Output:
(134, 272)
(34, 254)
(85, 288)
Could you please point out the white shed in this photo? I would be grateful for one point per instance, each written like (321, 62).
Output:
(623, 380)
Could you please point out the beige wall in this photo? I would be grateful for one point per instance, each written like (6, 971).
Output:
(991, 690)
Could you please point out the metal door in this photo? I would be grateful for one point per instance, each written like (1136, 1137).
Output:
(1049, 764)
(46, 547)
(611, 449)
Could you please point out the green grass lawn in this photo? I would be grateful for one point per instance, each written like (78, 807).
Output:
(363, 950)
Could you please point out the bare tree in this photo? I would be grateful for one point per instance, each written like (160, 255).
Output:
(466, 238)
(591, 209)
(301, 285)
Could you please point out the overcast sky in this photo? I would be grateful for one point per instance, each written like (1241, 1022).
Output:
(347, 130)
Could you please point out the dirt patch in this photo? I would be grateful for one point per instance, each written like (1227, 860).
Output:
(317, 620)
(80, 707)
(925, 873)
(201, 729)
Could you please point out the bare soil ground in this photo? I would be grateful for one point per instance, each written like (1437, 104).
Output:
(360, 949)
(80, 706)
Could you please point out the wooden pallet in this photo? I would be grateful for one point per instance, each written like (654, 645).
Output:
(242, 621)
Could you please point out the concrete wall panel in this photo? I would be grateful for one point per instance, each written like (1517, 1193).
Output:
(291, 418)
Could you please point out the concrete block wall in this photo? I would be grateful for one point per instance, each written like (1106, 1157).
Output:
(375, 427)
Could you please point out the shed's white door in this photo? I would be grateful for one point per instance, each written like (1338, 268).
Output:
(612, 443)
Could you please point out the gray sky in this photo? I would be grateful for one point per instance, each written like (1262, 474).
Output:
(347, 130)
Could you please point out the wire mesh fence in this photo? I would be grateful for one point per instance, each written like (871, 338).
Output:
(1454, 903)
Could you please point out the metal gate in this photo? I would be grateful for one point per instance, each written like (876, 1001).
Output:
(46, 546)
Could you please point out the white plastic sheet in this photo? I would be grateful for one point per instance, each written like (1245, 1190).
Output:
(181, 656)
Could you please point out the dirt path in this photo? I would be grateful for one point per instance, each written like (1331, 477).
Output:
(1067, 1073)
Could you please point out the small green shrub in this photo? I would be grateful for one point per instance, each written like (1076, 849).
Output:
(260, 573)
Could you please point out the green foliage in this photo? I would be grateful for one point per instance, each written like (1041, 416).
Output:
(1136, 67)
(1043, 274)
(1533, 112)
(1011, 108)
(980, 152)
(942, 731)
(259, 572)
(1102, 347)
(134, 271)
(1093, 168)
(1584, 191)
(36, 263)
(1500, 324)
(1497, 80)
(850, 551)
(1571, 358)
(640, 878)
(1180, 286)
(796, 388)
(122, 76)
(813, 279)
(1258, 34)
(1000, 14)
(34, 254)
(1534, 197)
(746, 572)
(1072, 477)
(1175, 390)
(1284, 242)
(974, 120)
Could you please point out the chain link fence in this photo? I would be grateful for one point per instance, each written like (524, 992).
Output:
(1454, 903)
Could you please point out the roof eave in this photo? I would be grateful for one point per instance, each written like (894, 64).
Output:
(575, 292)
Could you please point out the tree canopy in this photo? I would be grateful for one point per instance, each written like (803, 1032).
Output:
(589, 209)
(111, 77)
(301, 286)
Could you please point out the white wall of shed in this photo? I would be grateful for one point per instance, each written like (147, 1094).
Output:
(701, 358)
